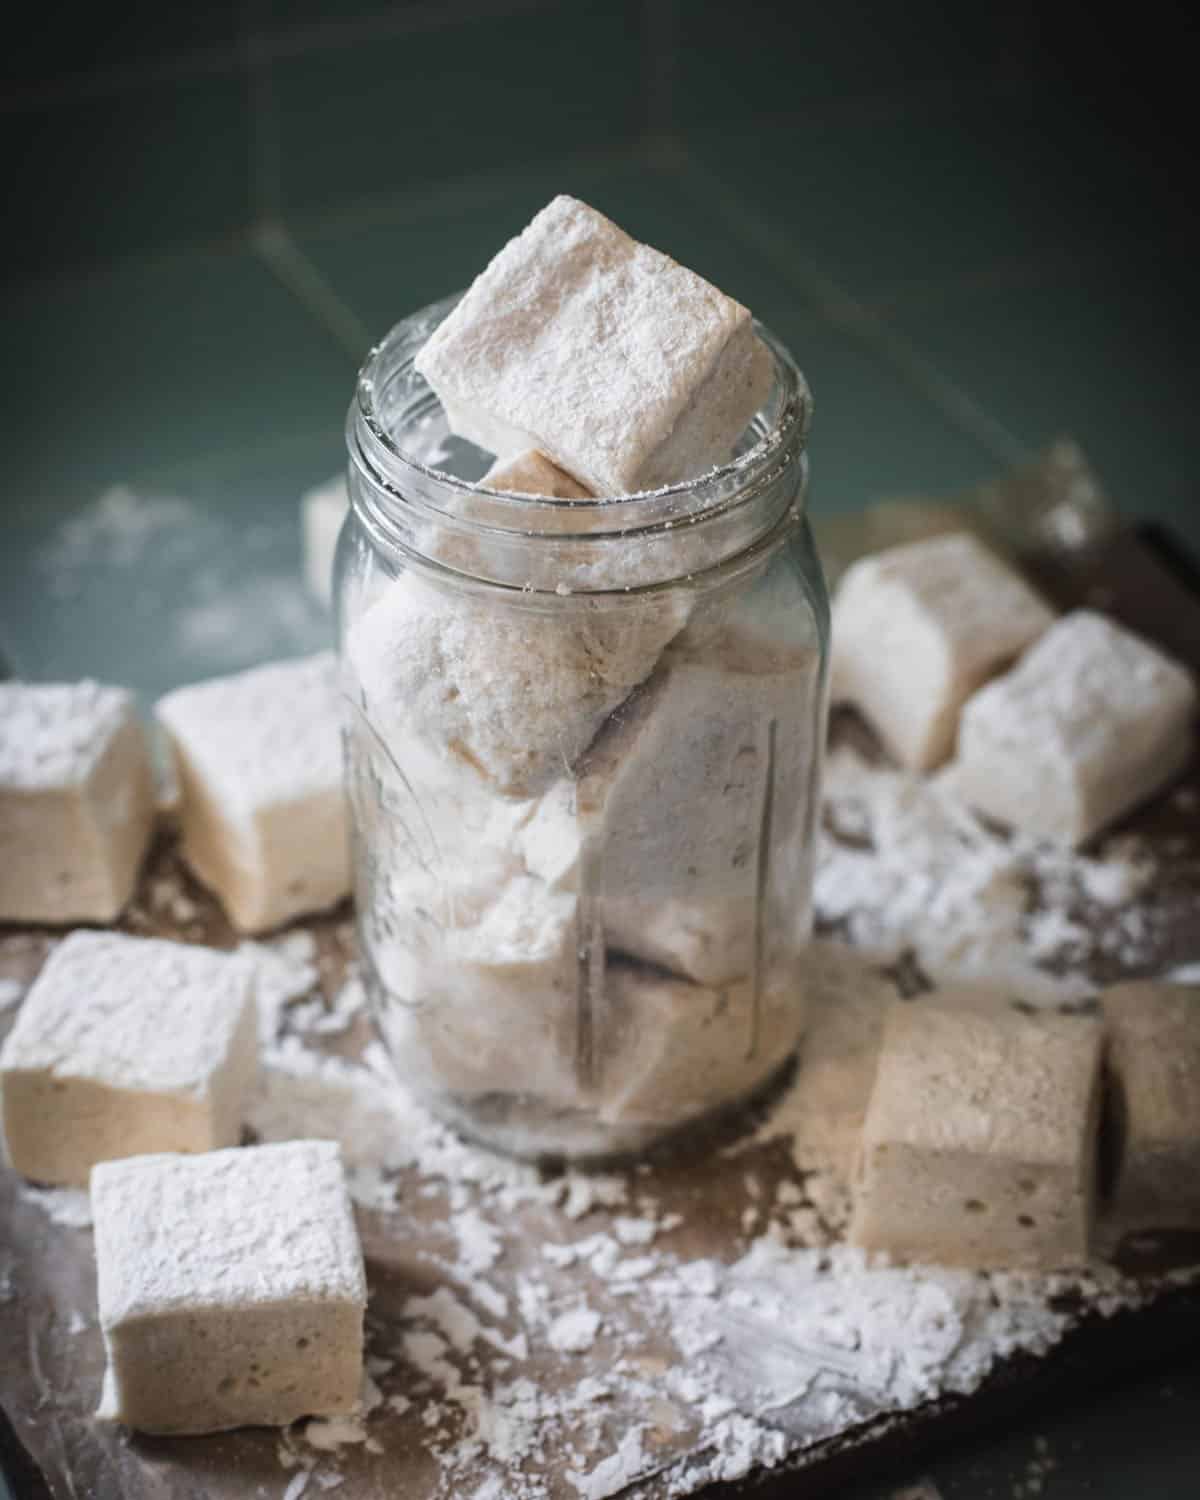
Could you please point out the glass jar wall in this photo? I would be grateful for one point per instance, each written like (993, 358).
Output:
(583, 753)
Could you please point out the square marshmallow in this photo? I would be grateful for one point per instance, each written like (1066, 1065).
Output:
(676, 1051)
(126, 1045)
(514, 688)
(263, 814)
(77, 801)
(1092, 721)
(1153, 1049)
(322, 511)
(917, 629)
(532, 473)
(231, 1288)
(725, 722)
(625, 369)
(979, 1147)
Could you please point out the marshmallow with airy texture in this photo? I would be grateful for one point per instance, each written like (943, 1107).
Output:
(979, 1147)
(231, 1288)
(918, 628)
(481, 987)
(1152, 1034)
(77, 801)
(513, 687)
(126, 1045)
(676, 1051)
(1092, 721)
(263, 815)
(622, 367)
(322, 511)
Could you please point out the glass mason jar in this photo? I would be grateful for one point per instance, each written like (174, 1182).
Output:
(583, 748)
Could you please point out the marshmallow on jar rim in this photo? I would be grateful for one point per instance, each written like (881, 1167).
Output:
(627, 370)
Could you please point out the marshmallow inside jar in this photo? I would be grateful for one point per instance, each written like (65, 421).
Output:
(583, 638)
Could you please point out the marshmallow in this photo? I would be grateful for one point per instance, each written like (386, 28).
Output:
(979, 1147)
(231, 1288)
(532, 473)
(77, 801)
(480, 990)
(514, 688)
(682, 888)
(322, 511)
(126, 1045)
(1153, 1049)
(263, 814)
(678, 1051)
(623, 368)
(917, 629)
(1092, 721)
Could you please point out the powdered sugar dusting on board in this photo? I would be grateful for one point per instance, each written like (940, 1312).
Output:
(906, 871)
(609, 1359)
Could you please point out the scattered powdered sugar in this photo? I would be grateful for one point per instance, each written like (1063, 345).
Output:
(906, 870)
(285, 971)
(115, 531)
(575, 1331)
(220, 595)
(616, 1472)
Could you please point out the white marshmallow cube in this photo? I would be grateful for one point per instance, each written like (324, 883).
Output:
(979, 1147)
(482, 989)
(126, 1045)
(1152, 1034)
(622, 367)
(513, 688)
(676, 1051)
(231, 1288)
(675, 886)
(77, 801)
(1091, 722)
(262, 811)
(322, 511)
(917, 629)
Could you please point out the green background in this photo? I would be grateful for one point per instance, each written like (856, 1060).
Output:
(972, 229)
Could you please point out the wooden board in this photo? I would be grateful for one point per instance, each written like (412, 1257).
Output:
(51, 1357)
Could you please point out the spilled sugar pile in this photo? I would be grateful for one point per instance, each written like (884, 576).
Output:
(906, 870)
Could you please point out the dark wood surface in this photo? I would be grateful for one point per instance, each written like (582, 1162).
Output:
(49, 1416)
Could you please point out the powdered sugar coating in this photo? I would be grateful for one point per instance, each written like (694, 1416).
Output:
(1091, 721)
(131, 1013)
(53, 733)
(262, 807)
(248, 1227)
(269, 734)
(626, 369)
(512, 692)
(918, 628)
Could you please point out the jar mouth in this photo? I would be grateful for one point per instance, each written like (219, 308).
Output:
(405, 492)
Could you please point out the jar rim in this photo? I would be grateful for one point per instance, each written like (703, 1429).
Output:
(787, 430)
